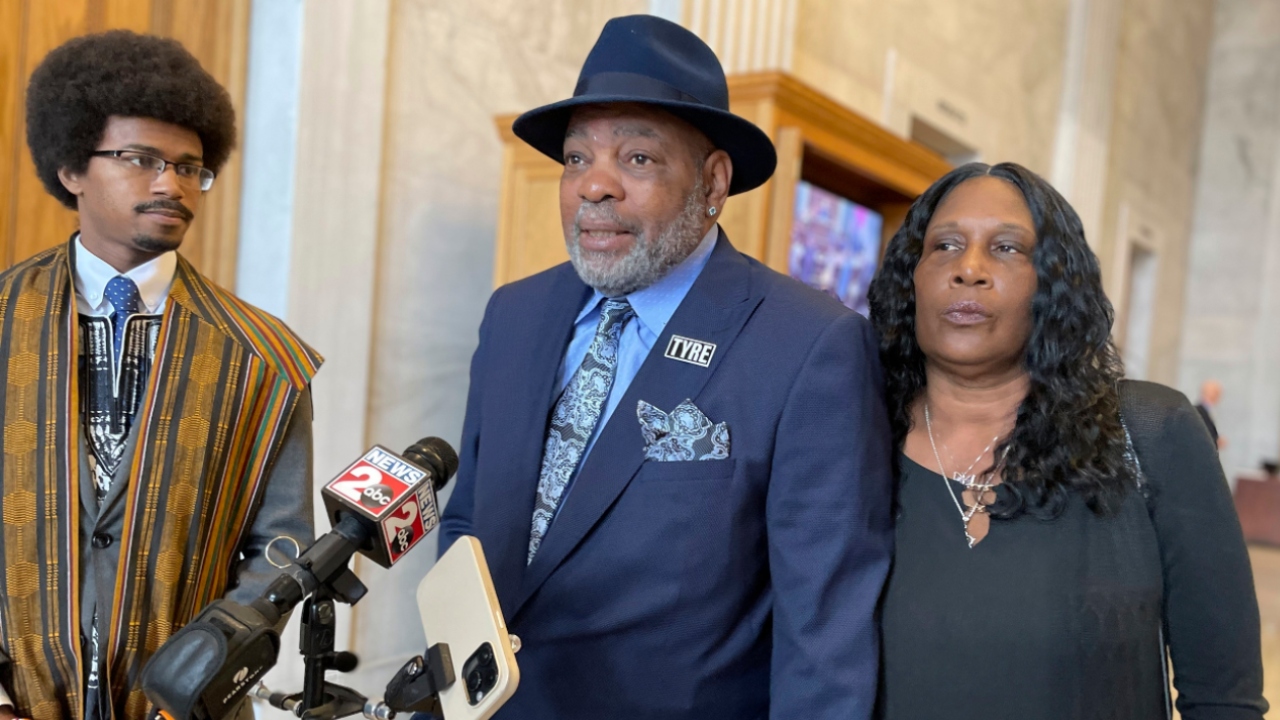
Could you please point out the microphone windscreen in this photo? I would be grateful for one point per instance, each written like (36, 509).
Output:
(436, 455)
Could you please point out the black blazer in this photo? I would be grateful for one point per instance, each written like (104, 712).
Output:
(1211, 621)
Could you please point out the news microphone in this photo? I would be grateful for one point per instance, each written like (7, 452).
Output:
(382, 505)
(396, 494)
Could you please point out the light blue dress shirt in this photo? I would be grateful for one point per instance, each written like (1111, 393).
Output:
(654, 307)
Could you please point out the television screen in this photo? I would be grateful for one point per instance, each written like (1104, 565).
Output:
(835, 244)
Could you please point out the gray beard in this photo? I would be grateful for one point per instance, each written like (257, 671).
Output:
(649, 259)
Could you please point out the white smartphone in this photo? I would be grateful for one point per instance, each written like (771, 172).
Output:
(460, 609)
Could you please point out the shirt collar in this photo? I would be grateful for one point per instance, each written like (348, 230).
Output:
(655, 304)
(153, 278)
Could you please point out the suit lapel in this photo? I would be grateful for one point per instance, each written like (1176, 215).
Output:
(528, 386)
(716, 308)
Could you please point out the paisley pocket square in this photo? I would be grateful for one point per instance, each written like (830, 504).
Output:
(682, 434)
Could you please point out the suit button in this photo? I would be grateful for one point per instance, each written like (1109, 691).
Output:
(101, 540)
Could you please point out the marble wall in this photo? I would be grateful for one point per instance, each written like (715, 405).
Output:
(1233, 301)
(988, 73)
(1081, 147)
(990, 76)
(1160, 86)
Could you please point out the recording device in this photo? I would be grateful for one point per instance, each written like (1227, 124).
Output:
(382, 505)
(459, 606)
(470, 669)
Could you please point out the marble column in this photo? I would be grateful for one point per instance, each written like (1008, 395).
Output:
(747, 35)
(1084, 116)
(1232, 330)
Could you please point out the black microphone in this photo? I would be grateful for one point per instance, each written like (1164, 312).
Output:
(381, 506)
(395, 494)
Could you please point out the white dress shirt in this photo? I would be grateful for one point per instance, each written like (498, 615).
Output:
(153, 278)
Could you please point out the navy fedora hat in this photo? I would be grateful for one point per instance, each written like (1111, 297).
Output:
(645, 59)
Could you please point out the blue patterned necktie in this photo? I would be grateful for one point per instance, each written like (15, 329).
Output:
(576, 414)
(125, 301)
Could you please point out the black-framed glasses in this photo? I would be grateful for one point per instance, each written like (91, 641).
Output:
(187, 173)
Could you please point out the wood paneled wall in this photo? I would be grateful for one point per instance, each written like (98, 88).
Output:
(215, 31)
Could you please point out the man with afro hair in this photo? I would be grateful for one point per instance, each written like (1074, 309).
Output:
(157, 430)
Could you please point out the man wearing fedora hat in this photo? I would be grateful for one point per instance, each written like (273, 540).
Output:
(677, 460)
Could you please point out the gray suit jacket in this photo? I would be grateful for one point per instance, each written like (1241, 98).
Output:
(286, 510)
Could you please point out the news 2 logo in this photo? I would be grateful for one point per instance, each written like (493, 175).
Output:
(430, 513)
(377, 480)
(402, 529)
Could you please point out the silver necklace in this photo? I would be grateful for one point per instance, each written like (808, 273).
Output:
(967, 479)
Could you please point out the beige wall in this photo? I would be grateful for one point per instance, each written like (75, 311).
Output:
(1154, 149)
(1232, 327)
(989, 73)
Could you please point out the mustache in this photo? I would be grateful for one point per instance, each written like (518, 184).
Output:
(603, 213)
(170, 205)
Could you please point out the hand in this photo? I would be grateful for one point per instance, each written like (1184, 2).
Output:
(6, 713)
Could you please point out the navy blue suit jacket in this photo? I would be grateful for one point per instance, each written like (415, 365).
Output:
(739, 588)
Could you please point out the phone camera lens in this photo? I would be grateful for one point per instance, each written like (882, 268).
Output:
(481, 673)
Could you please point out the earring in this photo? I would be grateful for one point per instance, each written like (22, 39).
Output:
(711, 211)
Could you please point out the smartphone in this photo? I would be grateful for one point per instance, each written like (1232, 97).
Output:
(460, 608)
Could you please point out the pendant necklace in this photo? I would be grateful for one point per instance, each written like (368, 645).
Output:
(967, 479)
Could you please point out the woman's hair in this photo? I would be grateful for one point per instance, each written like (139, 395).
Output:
(88, 79)
(1068, 436)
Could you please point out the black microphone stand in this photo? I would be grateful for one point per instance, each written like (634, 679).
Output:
(321, 699)
(414, 688)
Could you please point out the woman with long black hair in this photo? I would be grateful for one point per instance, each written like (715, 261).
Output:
(1060, 532)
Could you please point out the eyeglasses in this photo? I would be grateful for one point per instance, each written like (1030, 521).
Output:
(187, 173)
